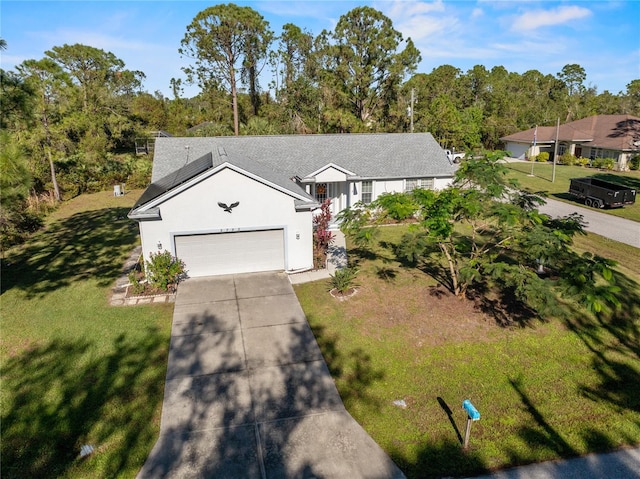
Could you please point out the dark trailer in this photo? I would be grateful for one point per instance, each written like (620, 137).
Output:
(601, 193)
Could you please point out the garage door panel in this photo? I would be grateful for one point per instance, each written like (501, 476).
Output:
(227, 253)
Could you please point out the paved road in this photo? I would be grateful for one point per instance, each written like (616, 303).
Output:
(248, 393)
(623, 464)
(612, 227)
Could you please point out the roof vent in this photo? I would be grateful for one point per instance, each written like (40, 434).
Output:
(221, 151)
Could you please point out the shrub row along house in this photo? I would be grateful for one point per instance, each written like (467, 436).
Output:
(242, 204)
(600, 136)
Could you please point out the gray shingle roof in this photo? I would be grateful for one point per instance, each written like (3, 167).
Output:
(189, 169)
(374, 156)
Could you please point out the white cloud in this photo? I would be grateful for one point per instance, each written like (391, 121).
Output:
(535, 19)
(477, 12)
(418, 19)
(406, 9)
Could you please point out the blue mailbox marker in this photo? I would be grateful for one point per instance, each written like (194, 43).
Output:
(472, 415)
(471, 410)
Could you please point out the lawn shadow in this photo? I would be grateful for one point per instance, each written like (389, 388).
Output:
(87, 245)
(614, 341)
(61, 395)
(353, 368)
(545, 434)
(438, 459)
(568, 197)
(447, 410)
(386, 273)
(502, 305)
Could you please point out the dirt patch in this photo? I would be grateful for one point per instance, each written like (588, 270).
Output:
(426, 315)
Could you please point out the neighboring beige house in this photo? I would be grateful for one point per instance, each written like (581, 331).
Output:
(599, 136)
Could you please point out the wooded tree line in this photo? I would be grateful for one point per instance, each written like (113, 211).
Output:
(69, 120)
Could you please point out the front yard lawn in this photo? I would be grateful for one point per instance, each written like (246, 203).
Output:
(558, 190)
(545, 390)
(76, 371)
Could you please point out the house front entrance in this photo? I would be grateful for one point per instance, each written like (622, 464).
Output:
(336, 192)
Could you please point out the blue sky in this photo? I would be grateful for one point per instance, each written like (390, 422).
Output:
(601, 36)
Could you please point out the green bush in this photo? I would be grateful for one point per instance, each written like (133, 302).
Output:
(399, 206)
(567, 159)
(137, 287)
(634, 163)
(542, 157)
(604, 163)
(343, 279)
(165, 271)
(583, 161)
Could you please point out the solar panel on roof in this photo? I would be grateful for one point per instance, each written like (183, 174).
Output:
(180, 176)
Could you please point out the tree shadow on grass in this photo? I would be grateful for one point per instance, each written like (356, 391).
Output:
(545, 435)
(502, 305)
(87, 245)
(353, 368)
(62, 395)
(614, 341)
(438, 459)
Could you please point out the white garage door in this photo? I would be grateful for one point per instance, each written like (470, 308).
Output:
(227, 253)
(518, 150)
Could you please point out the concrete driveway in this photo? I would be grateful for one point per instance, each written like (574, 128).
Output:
(248, 394)
(609, 226)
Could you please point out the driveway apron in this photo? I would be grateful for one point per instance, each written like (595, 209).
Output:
(248, 393)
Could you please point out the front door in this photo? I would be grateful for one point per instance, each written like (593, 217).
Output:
(333, 191)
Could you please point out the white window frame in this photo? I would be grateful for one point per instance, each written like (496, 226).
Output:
(366, 192)
(415, 183)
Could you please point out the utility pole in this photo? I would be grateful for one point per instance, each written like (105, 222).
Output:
(555, 152)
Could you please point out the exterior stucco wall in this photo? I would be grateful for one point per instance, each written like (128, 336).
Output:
(330, 175)
(442, 183)
(261, 207)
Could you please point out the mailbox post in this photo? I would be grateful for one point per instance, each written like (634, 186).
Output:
(472, 415)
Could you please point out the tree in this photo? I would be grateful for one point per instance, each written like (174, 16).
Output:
(100, 120)
(48, 81)
(483, 232)
(225, 41)
(16, 101)
(15, 183)
(631, 98)
(573, 77)
(361, 61)
(294, 66)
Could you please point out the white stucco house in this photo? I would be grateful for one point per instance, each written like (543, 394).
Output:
(598, 136)
(243, 204)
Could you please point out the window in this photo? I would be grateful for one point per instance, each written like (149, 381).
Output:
(562, 148)
(424, 183)
(367, 192)
(321, 192)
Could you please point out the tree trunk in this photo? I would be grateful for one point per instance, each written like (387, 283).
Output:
(234, 100)
(455, 287)
(56, 190)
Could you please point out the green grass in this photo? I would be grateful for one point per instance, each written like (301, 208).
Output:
(543, 174)
(545, 390)
(74, 369)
